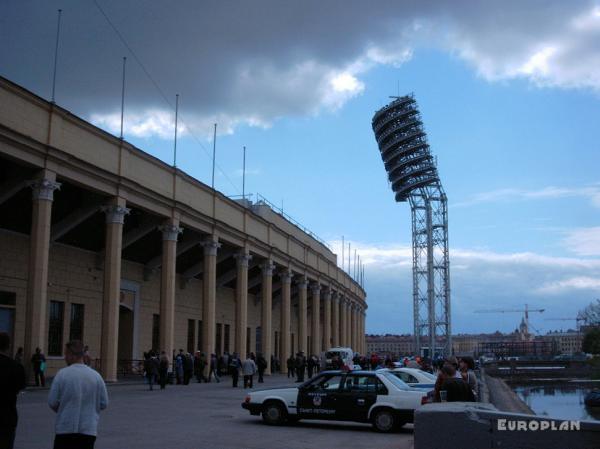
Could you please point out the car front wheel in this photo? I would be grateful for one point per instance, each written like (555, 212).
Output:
(384, 421)
(274, 413)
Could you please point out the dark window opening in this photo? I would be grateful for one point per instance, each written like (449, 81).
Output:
(55, 328)
(156, 333)
(76, 324)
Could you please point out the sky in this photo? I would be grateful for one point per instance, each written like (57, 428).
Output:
(509, 94)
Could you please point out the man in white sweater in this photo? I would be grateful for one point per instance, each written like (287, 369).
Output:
(77, 395)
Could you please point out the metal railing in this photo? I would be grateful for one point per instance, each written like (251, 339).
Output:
(261, 200)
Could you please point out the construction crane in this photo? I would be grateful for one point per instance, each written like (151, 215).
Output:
(526, 311)
(577, 320)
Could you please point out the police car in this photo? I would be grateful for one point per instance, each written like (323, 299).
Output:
(378, 397)
(416, 378)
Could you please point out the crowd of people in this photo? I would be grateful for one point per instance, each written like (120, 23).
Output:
(159, 370)
(78, 392)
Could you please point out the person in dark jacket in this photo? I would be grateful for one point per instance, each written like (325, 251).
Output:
(213, 368)
(312, 365)
(234, 368)
(151, 365)
(188, 368)
(290, 367)
(12, 380)
(261, 365)
(38, 361)
(457, 390)
(163, 369)
(300, 366)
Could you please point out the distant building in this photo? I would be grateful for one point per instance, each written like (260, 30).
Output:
(568, 342)
(393, 345)
(517, 343)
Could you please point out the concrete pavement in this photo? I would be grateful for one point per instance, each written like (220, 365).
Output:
(197, 416)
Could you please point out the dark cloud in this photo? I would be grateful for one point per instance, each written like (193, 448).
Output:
(251, 62)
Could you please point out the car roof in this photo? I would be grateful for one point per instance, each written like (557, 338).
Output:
(360, 371)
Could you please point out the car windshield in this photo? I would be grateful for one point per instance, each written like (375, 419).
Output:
(428, 376)
(332, 354)
(396, 381)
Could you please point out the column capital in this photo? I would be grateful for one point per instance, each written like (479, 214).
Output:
(115, 214)
(315, 288)
(335, 297)
(302, 282)
(170, 232)
(286, 276)
(242, 258)
(43, 189)
(211, 245)
(267, 268)
(327, 293)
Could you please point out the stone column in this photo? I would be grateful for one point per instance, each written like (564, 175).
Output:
(363, 316)
(315, 290)
(348, 324)
(115, 217)
(353, 327)
(343, 321)
(286, 296)
(168, 275)
(302, 313)
(335, 325)
(209, 296)
(241, 302)
(266, 318)
(326, 320)
(36, 334)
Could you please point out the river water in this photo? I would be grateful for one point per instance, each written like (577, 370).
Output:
(559, 400)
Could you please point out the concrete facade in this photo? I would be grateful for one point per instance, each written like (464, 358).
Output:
(128, 253)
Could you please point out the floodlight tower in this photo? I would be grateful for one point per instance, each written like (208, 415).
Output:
(413, 175)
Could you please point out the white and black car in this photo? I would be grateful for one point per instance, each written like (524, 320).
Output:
(378, 397)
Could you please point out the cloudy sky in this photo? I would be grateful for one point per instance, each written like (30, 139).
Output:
(509, 94)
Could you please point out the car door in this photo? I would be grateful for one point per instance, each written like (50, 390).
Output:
(356, 396)
(318, 399)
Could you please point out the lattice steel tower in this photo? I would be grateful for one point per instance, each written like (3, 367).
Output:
(413, 175)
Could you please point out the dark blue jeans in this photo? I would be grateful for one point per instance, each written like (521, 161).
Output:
(74, 441)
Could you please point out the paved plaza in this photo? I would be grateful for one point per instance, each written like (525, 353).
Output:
(197, 416)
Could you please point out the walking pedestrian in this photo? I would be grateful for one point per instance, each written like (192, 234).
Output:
(199, 366)
(300, 366)
(310, 365)
(19, 356)
(234, 368)
(225, 360)
(151, 368)
(261, 365)
(86, 356)
(38, 361)
(188, 368)
(213, 368)
(12, 380)
(290, 367)
(179, 367)
(163, 369)
(77, 395)
(248, 370)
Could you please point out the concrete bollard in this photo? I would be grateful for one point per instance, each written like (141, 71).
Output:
(477, 425)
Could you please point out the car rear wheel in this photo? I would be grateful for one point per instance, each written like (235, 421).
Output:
(274, 413)
(384, 420)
